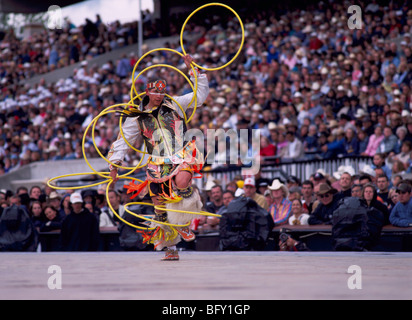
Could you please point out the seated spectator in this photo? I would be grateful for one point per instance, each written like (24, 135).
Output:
(228, 197)
(403, 156)
(363, 139)
(388, 143)
(401, 214)
(216, 199)
(370, 195)
(298, 217)
(351, 143)
(294, 149)
(328, 203)
(267, 149)
(379, 162)
(250, 191)
(281, 207)
(374, 142)
(394, 197)
(357, 190)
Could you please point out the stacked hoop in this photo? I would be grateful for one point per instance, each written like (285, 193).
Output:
(133, 96)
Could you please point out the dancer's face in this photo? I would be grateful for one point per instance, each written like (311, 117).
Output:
(155, 98)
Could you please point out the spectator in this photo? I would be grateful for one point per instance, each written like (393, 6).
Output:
(328, 203)
(388, 143)
(370, 195)
(89, 199)
(298, 217)
(216, 199)
(345, 183)
(249, 187)
(383, 184)
(357, 190)
(403, 156)
(294, 149)
(281, 207)
(351, 143)
(394, 197)
(37, 215)
(308, 198)
(374, 142)
(80, 229)
(35, 192)
(65, 208)
(107, 217)
(228, 197)
(379, 163)
(53, 221)
(54, 200)
(401, 214)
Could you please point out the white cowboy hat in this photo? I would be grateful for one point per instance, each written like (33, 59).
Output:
(276, 185)
(367, 169)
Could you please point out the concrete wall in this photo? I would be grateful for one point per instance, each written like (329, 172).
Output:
(40, 172)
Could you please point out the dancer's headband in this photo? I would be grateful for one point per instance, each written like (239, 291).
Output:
(159, 85)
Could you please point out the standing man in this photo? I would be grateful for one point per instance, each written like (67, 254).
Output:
(80, 229)
(172, 162)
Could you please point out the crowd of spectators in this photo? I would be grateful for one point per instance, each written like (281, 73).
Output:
(314, 87)
(79, 215)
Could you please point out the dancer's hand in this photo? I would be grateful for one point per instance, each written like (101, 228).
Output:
(113, 175)
(188, 60)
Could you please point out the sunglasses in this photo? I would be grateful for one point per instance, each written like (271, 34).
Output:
(403, 192)
(321, 196)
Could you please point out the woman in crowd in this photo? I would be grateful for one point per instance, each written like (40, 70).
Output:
(298, 217)
(37, 214)
(53, 219)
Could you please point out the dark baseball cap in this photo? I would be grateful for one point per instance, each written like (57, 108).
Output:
(403, 187)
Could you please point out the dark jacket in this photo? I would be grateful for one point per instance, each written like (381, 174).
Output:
(80, 232)
(323, 214)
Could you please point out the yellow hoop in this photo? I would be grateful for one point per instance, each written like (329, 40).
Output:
(241, 44)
